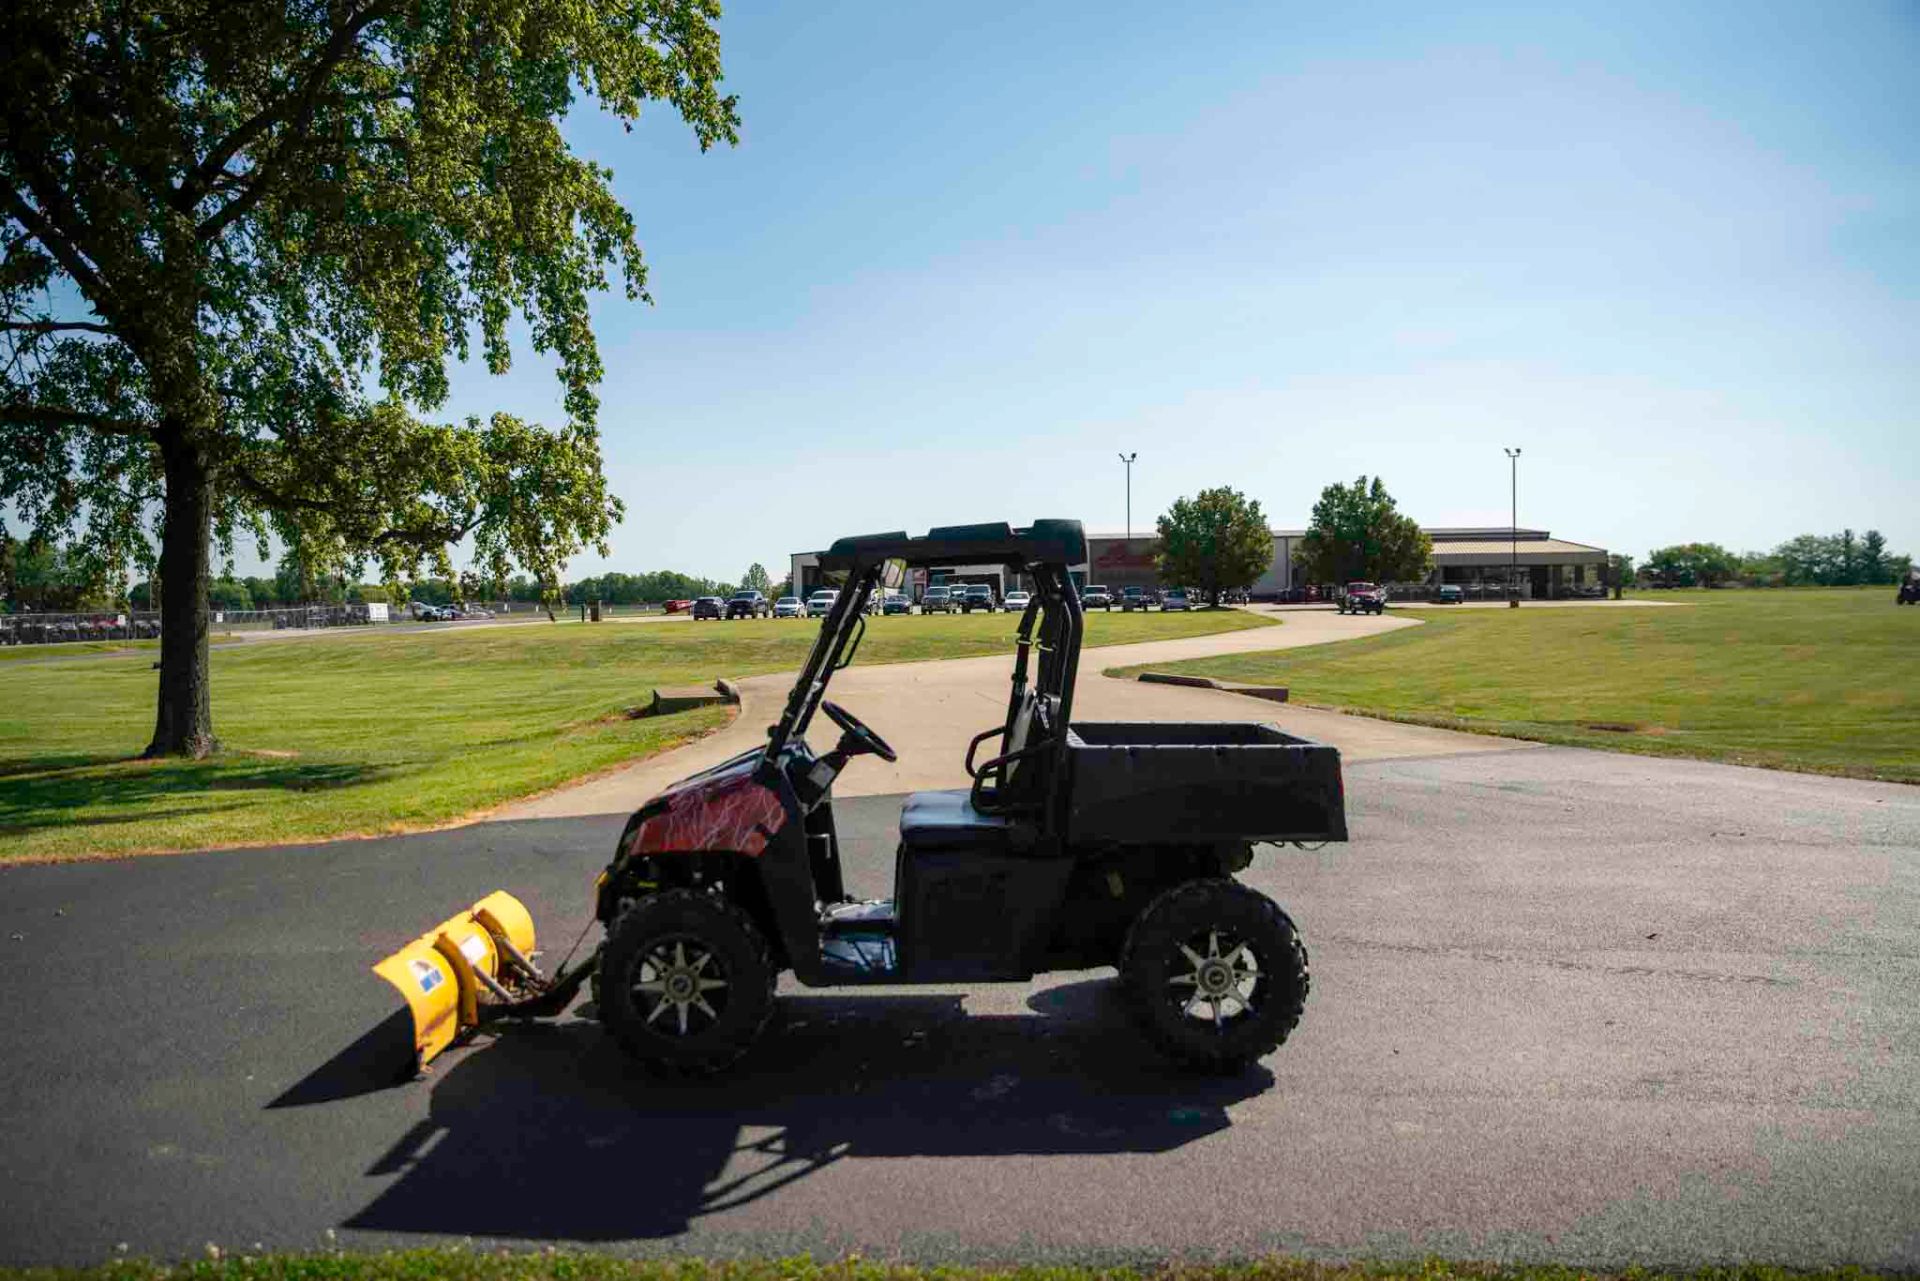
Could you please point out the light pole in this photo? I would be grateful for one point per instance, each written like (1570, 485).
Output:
(1513, 533)
(1128, 460)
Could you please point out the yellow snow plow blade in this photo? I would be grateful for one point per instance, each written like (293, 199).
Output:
(478, 958)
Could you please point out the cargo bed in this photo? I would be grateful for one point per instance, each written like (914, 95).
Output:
(1150, 783)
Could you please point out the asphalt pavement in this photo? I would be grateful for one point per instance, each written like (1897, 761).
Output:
(1567, 1006)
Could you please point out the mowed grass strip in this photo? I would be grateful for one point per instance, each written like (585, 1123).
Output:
(366, 733)
(1821, 681)
(472, 1265)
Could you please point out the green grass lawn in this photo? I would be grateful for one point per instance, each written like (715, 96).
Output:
(85, 649)
(367, 733)
(1824, 681)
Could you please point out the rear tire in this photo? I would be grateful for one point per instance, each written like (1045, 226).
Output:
(686, 982)
(1215, 973)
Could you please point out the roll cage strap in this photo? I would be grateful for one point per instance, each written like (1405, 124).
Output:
(1059, 643)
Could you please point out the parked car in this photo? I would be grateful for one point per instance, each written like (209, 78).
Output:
(979, 596)
(938, 600)
(1135, 598)
(896, 603)
(1097, 597)
(748, 604)
(1363, 598)
(1017, 602)
(1909, 592)
(1175, 600)
(820, 602)
(1450, 594)
(709, 607)
(789, 607)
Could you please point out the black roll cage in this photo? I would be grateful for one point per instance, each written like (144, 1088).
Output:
(1053, 623)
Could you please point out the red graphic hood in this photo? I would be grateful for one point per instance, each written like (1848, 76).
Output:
(721, 810)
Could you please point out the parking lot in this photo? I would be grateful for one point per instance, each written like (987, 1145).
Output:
(1567, 1006)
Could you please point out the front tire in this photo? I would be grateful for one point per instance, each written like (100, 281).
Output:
(686, 982)
(1215, 974)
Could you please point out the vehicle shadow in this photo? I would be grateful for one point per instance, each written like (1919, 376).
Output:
(549, 1132)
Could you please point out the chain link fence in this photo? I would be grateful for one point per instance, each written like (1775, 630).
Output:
(108, 625)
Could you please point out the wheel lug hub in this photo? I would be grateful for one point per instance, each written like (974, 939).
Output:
(1215, 978)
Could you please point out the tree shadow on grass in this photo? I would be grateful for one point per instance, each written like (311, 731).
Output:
(548, 1132)
(123, 790)
(54, 762)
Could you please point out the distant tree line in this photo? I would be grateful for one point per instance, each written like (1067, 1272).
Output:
(39, 577)
(1811, 560)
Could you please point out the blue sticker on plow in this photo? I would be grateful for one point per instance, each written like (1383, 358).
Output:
(429, 976)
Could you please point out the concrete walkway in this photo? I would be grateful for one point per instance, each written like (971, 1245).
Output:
(928, 712)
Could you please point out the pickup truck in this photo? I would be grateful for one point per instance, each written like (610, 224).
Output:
(979, 596)
(748, 604)
(1363, 598)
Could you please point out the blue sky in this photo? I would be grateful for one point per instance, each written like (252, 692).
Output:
(964, 255)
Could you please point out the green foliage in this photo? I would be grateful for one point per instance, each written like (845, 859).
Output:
(1837, 560)
(222, 225)
(756, 580)
(1357, 533)
(1874, 558)
(1619, 571)
(37, 576)
(643, 589)
(228, 594)
(1691, 565)
(1216, 541)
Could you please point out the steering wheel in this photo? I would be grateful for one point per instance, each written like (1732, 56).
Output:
(853, 726)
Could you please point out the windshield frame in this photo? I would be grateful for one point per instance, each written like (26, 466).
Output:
(810, 687)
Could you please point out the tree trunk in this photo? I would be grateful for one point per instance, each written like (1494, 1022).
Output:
(183, 725)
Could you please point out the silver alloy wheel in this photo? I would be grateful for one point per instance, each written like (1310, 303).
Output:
(679, 977)
(1223, 979)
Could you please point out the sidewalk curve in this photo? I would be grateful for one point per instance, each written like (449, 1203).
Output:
(928, 711)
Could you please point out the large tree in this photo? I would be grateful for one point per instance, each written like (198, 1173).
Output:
(1357, 533)
(1692, 564)
(240, 243)
(1216, 541)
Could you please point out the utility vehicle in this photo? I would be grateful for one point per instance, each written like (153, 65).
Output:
(1077, 845)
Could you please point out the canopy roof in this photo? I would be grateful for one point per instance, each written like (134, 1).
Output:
(1045, 542)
